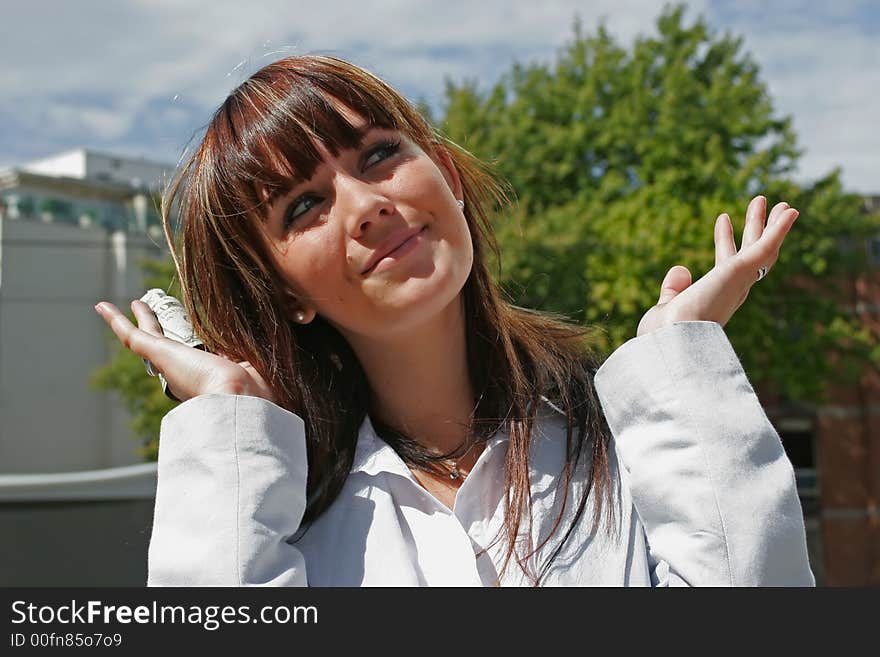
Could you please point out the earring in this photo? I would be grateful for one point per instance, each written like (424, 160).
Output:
(460, 203)
(300, 316)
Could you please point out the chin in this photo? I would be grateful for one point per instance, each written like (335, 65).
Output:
(421, 299)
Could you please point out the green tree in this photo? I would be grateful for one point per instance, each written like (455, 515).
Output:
(126, 374)
(622, 159)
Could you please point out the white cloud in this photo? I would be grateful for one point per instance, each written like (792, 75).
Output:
(94, 59)
(149, 47)
(101, 71)
(105, 124)
(824, 70)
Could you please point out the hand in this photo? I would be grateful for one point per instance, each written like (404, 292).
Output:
(188, 371)
(718, 294)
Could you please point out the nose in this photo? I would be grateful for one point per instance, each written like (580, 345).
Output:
(361, 203)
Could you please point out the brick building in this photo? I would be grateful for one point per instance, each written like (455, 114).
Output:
(835, 448)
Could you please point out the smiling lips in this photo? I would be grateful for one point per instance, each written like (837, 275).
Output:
(393, 249)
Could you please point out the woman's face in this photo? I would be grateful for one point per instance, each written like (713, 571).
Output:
(375, 241)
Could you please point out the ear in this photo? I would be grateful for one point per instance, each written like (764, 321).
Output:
(296, 310)
(447, 167)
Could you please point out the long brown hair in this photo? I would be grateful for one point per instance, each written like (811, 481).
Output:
(262, 137)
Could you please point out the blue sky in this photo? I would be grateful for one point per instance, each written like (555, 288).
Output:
(141, 77)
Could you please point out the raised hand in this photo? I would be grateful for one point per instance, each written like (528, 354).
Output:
(718, 294)
(188, 371)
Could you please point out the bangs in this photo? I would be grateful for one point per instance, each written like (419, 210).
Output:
(269, 127)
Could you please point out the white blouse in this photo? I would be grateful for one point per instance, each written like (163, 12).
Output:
(703, 492)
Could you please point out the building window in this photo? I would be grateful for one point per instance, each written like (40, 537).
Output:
(873, 244)
(56, 209)
(799, 443)
(26, 206)
(18, 206)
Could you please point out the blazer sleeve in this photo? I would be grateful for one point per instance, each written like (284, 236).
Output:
(231, 491)
(709, 478)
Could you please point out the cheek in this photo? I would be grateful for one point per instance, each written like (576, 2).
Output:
(314, 267)
(463, 240)
(421, 181)
(465, 253)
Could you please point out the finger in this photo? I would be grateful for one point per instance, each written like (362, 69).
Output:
(119, 324)
(779, 229)
(153, 348)
(725, 245)
(146, 318)
(148, 322)
(754, 226)
(777, 210)
(766, 251)
(674, 283)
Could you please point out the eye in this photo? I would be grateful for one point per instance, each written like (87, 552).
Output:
(299, 207)
(381, 152)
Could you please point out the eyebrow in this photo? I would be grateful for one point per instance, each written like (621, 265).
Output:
(361, 134)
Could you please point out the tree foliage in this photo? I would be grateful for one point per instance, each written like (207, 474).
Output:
(622, 158)
(126, 374)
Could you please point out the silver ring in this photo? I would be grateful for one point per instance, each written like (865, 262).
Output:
(762, 272)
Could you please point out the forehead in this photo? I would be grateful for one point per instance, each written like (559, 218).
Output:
(275, 132)
(359, 124)
(292, 154)
(324, 152)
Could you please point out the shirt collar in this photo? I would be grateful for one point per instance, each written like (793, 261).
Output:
(373, 455)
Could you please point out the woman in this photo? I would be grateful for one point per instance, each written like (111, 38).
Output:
(369, 410)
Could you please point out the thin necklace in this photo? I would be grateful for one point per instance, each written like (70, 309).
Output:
(455, 473)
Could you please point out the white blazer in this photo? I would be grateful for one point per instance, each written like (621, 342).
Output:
(704, 493)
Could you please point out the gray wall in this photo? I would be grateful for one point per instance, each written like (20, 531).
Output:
(87, 528)
(51, 339)
(80, 543)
